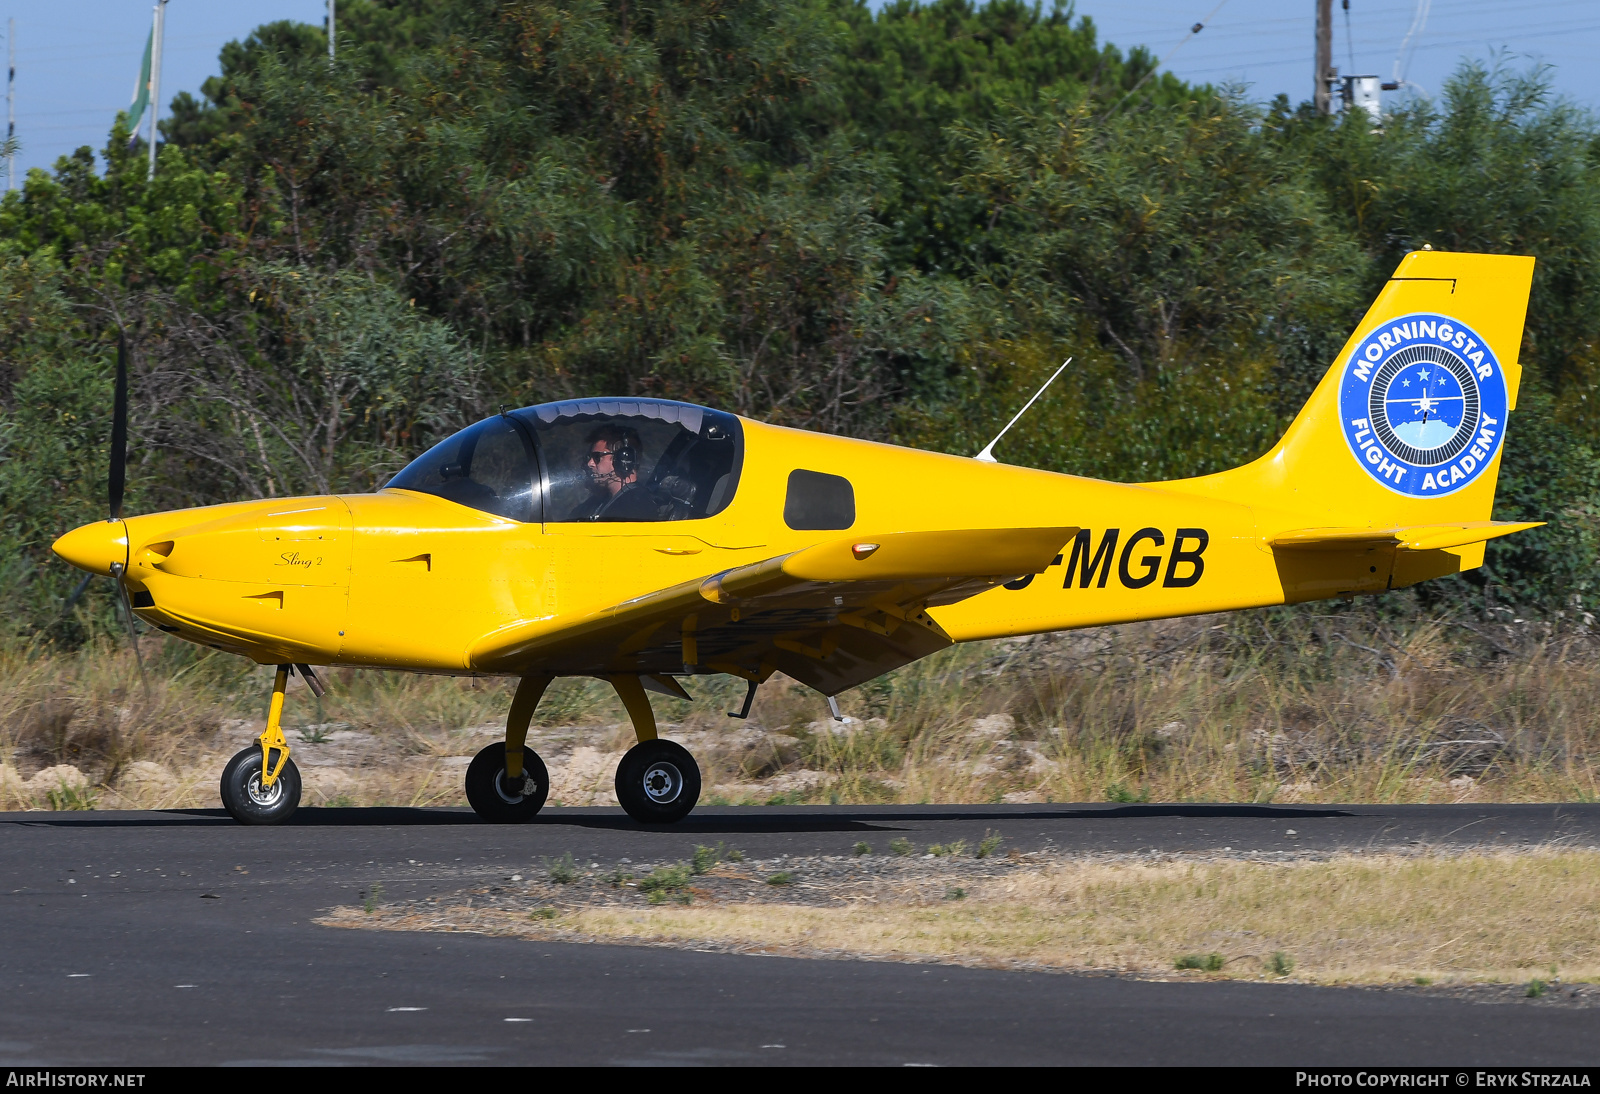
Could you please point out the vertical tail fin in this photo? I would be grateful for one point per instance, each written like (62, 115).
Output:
(1408, 426)
(1404, 434)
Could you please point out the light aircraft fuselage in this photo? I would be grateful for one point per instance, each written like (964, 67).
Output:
(644, 540)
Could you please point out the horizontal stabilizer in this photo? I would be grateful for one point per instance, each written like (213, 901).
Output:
(1419, 537)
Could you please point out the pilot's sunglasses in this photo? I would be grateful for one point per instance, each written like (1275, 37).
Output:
(596, 457)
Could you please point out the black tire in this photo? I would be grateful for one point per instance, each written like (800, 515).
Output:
(243, 797)
(492, 799)
(658, 782)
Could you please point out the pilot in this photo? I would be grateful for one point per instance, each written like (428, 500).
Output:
(612, 466)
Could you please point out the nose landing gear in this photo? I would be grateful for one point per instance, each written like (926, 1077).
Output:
(261, 785)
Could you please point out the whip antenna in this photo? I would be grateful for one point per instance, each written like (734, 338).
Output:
(987, 455)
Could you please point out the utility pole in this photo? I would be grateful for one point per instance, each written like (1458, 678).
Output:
(155, 81)
(330, 30)
(11, 105)
(1321, 96)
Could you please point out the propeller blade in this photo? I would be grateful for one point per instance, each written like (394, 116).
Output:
(133, 631)
(77, 594)
(119, 430)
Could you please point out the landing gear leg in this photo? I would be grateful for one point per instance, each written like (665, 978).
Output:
(261, 785)
(658, 782)
(507, 783)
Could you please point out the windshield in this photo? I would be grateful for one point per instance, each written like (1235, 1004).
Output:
(614, 460)
(489, 466)
(608, 460)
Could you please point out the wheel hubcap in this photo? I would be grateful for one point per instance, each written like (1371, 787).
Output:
(503, 784)
(265, 797)
(663, 782)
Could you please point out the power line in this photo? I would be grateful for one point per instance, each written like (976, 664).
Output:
(1196, 29)
(1274, 57)
(1402, 58)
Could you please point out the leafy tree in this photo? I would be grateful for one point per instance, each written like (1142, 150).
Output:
(890, 223)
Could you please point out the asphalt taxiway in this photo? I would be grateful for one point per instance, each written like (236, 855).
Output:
(179, 937)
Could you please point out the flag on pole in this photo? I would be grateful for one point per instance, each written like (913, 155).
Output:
(141, 90)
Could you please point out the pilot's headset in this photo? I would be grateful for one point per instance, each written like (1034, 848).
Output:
(625, 454)
(624, 444)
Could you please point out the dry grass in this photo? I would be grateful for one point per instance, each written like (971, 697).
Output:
(1369, 919)
(1279, 705)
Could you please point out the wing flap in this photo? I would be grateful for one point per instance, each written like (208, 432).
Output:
(1420, 537)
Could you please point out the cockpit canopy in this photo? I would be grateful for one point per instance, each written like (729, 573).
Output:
(605, 460)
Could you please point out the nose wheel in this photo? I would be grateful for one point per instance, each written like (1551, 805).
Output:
(248, 801)
(500, 798)
(658, 782)
(261, 785)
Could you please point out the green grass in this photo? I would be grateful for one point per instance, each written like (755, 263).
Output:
(564, 870)
(705, 858)
(667, 879)
(1118, 792)
(67, 797)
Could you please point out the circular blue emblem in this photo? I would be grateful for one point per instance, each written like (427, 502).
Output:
(1422, 402)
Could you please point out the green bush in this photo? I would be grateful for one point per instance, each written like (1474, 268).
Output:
(889, 224)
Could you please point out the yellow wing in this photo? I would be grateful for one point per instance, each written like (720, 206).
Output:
(831, 616)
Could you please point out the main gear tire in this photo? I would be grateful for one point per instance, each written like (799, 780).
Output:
(247, 801)
(491, 793)
(658, 782)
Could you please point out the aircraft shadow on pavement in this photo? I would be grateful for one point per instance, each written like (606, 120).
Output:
(753, 819)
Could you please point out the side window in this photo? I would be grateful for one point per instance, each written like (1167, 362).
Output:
(488, 466)
(818, 502)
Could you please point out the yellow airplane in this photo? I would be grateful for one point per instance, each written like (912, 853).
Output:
(641, 540)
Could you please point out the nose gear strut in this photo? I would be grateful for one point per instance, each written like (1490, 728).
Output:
(261, 785)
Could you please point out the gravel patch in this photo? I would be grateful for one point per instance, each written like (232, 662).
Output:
(532, 903)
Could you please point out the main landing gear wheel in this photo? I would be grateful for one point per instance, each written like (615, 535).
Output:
(658, 782)
(492, 794)
(247, 801)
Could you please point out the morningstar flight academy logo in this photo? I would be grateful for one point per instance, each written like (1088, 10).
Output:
(1423, 405)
